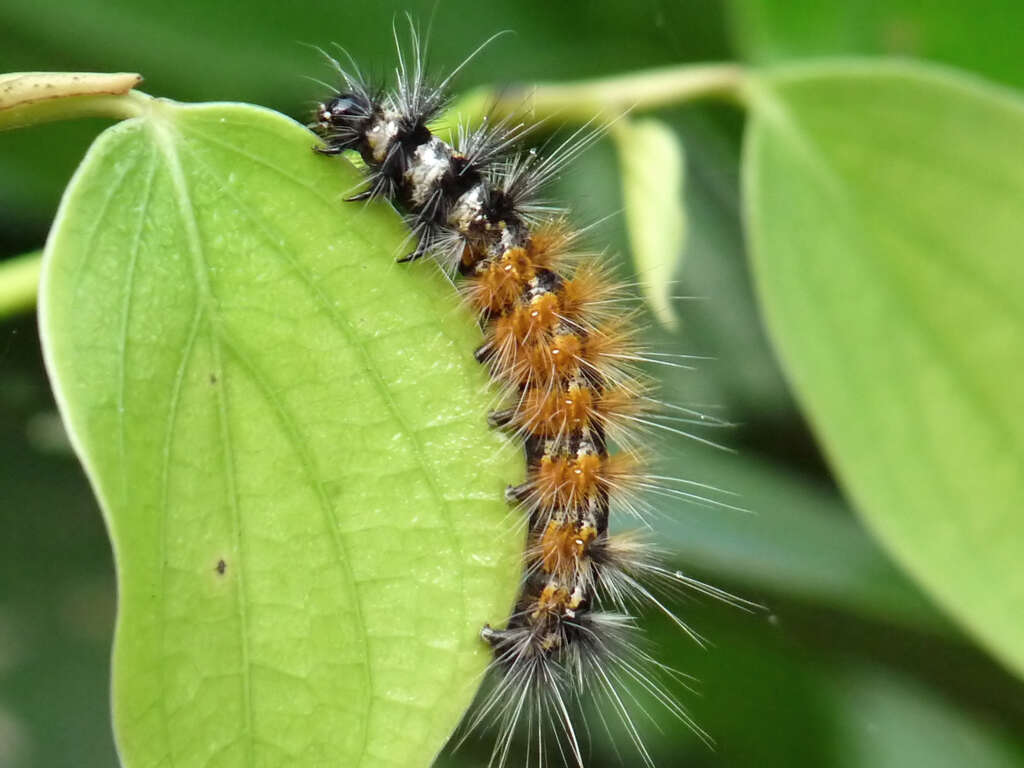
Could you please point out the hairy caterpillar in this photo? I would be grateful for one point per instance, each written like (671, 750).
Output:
(564, 352)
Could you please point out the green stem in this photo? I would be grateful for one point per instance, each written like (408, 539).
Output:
(610, 97)
(31, 98)
(19, 281)
(117, 107)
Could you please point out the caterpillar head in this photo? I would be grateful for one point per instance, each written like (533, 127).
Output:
(344, 119)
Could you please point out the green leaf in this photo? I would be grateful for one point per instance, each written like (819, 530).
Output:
(286, 433)
(722, 318)
(652, 162)
(884, 719)
(799, 541)
(883, 204)
(945, 31)
(19, 280)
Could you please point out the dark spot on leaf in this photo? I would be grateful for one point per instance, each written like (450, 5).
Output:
(221, 567)
(213, 378)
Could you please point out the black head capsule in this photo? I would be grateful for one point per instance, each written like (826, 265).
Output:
(342, 122)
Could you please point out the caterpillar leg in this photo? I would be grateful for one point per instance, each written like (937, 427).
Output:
(360, 197)
(502, 418)
(492, 636)
(329, 150)
(416, 255)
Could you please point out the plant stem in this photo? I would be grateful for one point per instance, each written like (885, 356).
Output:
(19, 281)
(610, 97)
(39, 97)
(642, 90)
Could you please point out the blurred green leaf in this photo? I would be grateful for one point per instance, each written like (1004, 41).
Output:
(721, 319)
(798, 540)
(19, 280)
(983, 38)
(56, 586)
(653, 165)
(230, 346)
(36, 165)
(883, 720)
(884, 204)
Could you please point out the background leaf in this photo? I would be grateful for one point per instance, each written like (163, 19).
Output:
(883, 203)
(719, 319)
(982, 38)
(286, 433)
(19, 280)
(653, 164)
(931, 734)
(796, 540)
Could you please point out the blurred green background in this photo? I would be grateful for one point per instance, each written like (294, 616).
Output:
(850, 666)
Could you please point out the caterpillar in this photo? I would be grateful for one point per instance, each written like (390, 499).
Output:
(564, 354)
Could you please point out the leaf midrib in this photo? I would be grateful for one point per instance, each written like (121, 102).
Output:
(165, 141)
